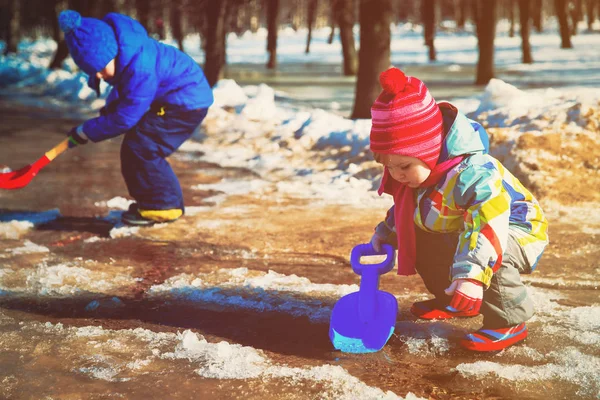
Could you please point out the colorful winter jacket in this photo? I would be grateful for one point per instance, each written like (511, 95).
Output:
(480, 199)
(148, 73)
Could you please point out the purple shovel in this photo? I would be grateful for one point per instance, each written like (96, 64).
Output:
(363, 321)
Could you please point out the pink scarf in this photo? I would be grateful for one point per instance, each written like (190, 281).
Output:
(404, 199)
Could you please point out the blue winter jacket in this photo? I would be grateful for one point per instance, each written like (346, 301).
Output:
(147, 73)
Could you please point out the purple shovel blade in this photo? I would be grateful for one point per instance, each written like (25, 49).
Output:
(362, 322)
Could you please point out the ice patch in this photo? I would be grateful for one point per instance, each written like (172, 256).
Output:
(119, 203)
(264, 292)
(192, 211)
(561, 283)
(228, 93)
(221, 360)
(64, 279)
(108, 374)
(236, 187)
(34, 217)
(123, 231)
(14, 229)
(567, 364)
(29, 248)
(232, 361)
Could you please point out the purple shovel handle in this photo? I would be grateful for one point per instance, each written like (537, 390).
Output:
(367, 249)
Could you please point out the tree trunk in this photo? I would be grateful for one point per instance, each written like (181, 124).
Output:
(101, 8)
(486, 31)
(14, 27)
(575, 12)
(460, 13)
(589, 7)
(312, 13)
(62, 52)
(143, 13)
(332, 19)
(215, 44)
(563, 22)
(175, 16)
(375, 17)
(405, 10)
(511, 17)
(272, 26)
(524, 21)
(536, 10)
(345, 20)
(428, 18)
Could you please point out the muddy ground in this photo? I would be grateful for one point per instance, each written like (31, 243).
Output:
(283, 234)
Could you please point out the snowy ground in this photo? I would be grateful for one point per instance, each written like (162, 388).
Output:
(234, 299)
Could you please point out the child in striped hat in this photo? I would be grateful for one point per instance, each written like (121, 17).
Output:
(460, 219)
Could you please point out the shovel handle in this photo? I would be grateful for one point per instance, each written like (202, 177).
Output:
(367, 249)
(58, 149)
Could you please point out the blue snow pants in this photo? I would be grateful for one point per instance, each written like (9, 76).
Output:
(148, 176)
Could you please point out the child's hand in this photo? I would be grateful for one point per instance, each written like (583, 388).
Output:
(467, 294)
(376, 242)
(76, 137)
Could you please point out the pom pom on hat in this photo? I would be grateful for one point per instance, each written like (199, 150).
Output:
(406, 119)
(393, 80)
(69, 20)
(92, 42)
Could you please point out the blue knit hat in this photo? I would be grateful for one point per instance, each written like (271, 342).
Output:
(91, 42)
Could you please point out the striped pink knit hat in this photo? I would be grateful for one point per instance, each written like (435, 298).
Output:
(406, 120)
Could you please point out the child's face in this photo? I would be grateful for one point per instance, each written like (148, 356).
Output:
(407, 170)
(108, 72)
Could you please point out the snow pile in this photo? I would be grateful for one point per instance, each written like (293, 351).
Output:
(221, 360)
(243, 289)
(15, 224)
(28, 248)
(61, 280)
(548, 139)
(14, 229)
(226, 361)
(118, 355)
(567, 364)
(119, 203)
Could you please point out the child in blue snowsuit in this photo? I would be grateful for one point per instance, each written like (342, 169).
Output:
(159, 97)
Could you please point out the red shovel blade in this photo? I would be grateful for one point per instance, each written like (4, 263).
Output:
(22, 177)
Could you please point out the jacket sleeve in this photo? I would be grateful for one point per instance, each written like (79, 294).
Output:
(481, 194)
(387, 229)
(136, 93)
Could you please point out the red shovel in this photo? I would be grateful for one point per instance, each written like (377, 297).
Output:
(22, 177)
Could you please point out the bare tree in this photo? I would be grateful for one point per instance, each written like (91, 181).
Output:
(460, 13)
(589, 7)
(524, 16)
(312, 13)
(345, 20)
(537, 7)
(142, 8)
(563, 22)
(272, 27)
(215, 45)
(575, 8)
(375, 17)
(511, 17)
(486, 32)
(62, 51)
(175, 19)
(428, 19)
(13, 30)
(332, 18)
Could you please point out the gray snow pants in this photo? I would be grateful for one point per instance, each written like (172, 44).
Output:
(505, 302)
